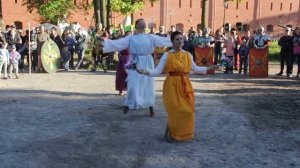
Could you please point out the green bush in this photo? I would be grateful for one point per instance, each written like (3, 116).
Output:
(274, 51)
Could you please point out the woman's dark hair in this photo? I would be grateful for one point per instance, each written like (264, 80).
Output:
(174, 34)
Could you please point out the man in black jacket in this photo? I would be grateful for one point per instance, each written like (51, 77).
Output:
(286, 53)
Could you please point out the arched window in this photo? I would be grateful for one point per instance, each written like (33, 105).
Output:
(239, 26)
(227, 27)
(18, 24)
(179, 27)
(269, 28)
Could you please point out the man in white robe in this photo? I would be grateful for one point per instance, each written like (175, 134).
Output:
(140, 88)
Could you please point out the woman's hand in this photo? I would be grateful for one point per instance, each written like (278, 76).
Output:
(213, 67)
(143, 72)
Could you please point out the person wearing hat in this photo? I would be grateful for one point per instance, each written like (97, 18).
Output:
(286, 52)
(14, 57)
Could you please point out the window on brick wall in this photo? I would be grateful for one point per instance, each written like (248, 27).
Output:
(18, 24)
(271, 8)
(191, 3)
(281, 5)
(247, 5)
(291, 6)
(75, 2)
(179, 3)
(152, 4)
(16, 1)
(270, 28)
(227, 27)
(239, 26)
(237, 5)
(246, 27)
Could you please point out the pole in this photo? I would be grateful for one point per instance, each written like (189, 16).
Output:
(170, 18)
(224, 18)
(204, 15)
(29, 51)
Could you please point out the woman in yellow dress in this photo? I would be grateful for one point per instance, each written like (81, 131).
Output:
(178, 94)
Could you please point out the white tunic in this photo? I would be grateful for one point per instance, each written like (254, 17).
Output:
(140, 88)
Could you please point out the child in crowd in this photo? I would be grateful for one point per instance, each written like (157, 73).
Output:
(14, 58)
(244, 52)
(66, 56)
(4, 58)
(230, 46)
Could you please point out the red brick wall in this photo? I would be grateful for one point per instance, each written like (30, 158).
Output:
(18, 12)
(258, 13)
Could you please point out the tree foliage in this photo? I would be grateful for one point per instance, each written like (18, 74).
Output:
(51, 10)
(128, 6)
(55, 10)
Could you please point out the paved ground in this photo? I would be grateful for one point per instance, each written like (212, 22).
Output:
(73, 119)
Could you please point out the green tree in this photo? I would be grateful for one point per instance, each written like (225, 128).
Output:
(54, 10)
(126, 7)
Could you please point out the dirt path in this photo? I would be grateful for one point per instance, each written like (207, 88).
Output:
(74, 119)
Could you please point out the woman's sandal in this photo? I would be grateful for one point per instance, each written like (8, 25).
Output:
(168, 136)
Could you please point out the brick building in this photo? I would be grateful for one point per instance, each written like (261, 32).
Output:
(184, 14)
